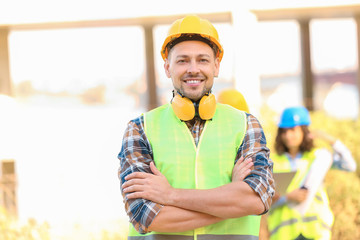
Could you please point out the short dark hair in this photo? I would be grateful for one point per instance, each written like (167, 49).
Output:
(306, 145)
(192, 37)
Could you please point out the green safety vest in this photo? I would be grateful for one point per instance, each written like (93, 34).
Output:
(284, 222)
(208, 165)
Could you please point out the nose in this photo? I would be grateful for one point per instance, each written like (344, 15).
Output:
(193, 67)
(286, 133)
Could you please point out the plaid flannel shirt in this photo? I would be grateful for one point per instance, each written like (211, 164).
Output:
(136, 155)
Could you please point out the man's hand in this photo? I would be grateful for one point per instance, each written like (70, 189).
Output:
(153, 187)
(241, 169)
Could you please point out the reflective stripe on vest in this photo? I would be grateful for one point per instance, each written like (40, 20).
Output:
(293, 221)
(285, 222)
(200, 237)
(161, 237)
(206, 166)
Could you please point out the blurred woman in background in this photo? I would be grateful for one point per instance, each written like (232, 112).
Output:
(295, 151)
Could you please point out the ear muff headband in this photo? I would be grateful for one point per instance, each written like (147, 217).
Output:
(185, 109)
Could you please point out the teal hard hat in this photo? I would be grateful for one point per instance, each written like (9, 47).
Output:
(294, 116)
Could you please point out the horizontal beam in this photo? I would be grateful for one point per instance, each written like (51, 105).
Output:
(219, 17)
(299, 13)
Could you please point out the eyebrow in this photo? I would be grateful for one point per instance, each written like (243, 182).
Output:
(200, 55)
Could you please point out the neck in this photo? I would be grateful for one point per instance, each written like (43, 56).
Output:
(293, 152)
(193, 100)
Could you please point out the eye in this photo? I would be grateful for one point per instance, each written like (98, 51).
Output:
(181, 61)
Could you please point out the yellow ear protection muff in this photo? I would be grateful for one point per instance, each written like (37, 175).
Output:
(185, 109)
(207, 106)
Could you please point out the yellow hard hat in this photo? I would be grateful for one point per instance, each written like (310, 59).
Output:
(233, 98)
(192, 25)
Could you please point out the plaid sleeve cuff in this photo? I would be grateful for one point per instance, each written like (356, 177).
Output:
(145, 214)
(263, 190)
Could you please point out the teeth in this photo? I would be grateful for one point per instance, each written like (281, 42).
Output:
(193, 81)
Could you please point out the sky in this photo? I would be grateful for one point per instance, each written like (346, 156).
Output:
(56, 10)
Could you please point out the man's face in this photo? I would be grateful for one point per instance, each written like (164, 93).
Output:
(192, 67)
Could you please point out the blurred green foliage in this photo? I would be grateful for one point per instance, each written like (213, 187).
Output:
(10, 229)
(343, 187)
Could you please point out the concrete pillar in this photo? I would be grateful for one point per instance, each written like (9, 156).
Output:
(150, 67)
(357, 20)
(306, 72)
(247, 76)
(5, 80)
(8, 187)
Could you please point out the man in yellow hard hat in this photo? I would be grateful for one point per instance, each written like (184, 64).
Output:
(194, 168)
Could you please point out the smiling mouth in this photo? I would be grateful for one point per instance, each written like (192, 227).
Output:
(193, 81)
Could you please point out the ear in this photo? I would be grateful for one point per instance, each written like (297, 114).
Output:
(166, 67)
(217, 67)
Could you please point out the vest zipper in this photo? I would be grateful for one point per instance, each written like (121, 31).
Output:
(196, 156)
(196, 167)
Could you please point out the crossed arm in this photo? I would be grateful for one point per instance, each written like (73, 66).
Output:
(176, 210)
(187, 209)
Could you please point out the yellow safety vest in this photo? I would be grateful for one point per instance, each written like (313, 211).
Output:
(208, 165)
(284, 222)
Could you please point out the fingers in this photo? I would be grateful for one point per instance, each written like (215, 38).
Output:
(135, 195)
(137, 182)
(249, 164)
(133, 182)
(244, 164)
(135, 191)
(240, 160)
(135, 188)
(143, 174)
(244, 173)
(154, 169)
(137, 175)
(135, 178)
(242, 169)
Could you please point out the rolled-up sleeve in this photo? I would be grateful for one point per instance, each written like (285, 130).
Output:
(135, 156)
(254, 146)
